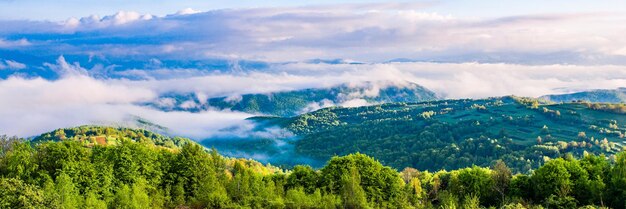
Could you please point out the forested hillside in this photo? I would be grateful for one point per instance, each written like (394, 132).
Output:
(600, 95)
(99, 135)
(452, 134)
(139, 174)
(290, 103)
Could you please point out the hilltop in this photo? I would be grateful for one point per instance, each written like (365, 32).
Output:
(103, 135)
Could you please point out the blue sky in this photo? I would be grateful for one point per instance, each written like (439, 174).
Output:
(63, 9)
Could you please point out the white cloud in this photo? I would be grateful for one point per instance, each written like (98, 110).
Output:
(33, 106)
(95, 22)
(167, 103)
(188, 104)
(354, 103)
(124, 17)
(13, 65)
(317, 105)
(474, 80)
(366, 32)
(14, 43)
(453, 80)
(187, 11)
(62, 68)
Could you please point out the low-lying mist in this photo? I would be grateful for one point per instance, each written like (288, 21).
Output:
(31, 106)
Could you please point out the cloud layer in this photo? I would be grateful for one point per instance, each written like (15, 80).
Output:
(100, 69)
(31, 106)
(364, 32)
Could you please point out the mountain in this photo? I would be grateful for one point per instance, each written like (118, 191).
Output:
(291, 103)
(600, 95)
(451, 134)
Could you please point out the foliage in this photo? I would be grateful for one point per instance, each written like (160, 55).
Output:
(98, 135)
(133, 174)
(453, 134)
(600, 95)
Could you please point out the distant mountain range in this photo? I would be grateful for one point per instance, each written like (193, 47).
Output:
(599, 95)
(291, 103)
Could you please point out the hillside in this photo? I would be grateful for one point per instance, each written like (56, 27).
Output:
(101, 135)
(600, 95)
(290, 103)
(92, 136)
(67, 174)
(452, 134)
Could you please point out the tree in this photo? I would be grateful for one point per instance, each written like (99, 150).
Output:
(545, 130)
(534, 104)
(191, 165)
(177, 195)
(408, 174)
(380, 183)
(139, 196)
(93, 202)
(123, 197)
(475, 181)
(304, 177)
(297, 198)
(551, 179)
(539, 140)
(210, 193)
(19, 162)
(14, 193)
(125, 163)
(580, 181)
(598, 168)
(617, 182)
(522, 187)
(239, 187)
(68, 194)
(501, 176)
(448, 200)
(352, 194)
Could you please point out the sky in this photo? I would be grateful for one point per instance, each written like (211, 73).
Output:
(63, 9)
(66, 63)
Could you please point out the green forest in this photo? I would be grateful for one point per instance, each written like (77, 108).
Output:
(452, 134)
(132, 170)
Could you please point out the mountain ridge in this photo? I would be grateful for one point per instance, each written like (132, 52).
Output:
(291, 103)
(596, 95)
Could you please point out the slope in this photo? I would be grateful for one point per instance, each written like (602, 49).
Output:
(451, 134)
(600, 95)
